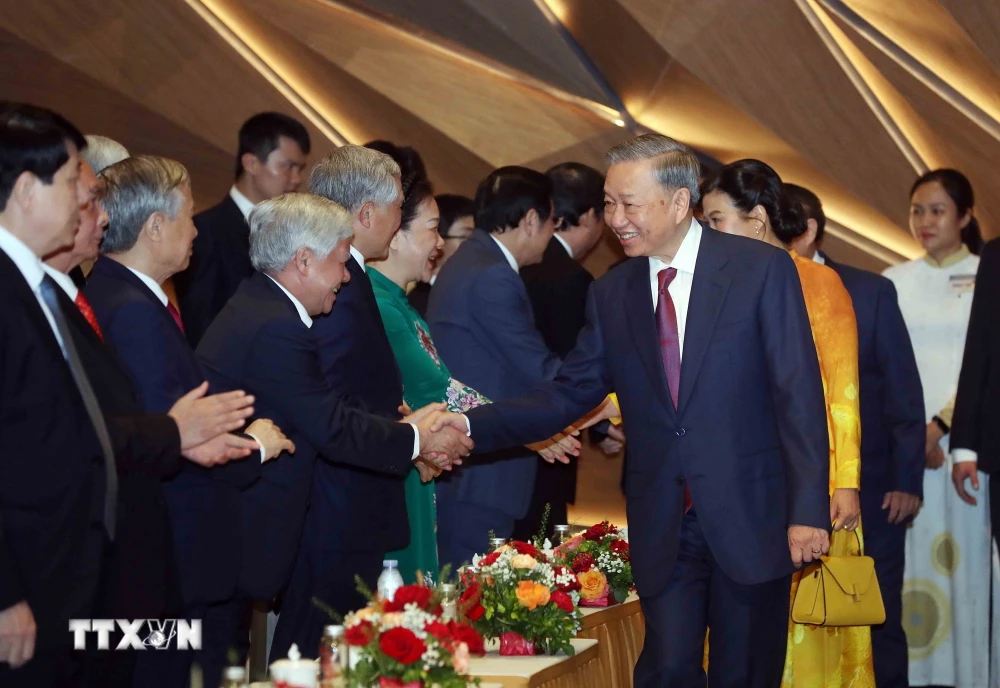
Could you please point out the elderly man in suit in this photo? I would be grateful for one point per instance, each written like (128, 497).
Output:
(706, 340)
(892, 441)
(270, 161)
(484, 330)
(262, 341)
(148, 200)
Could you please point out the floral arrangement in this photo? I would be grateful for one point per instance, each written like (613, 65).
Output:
(600, 559)
(516, 594)
(405, 643)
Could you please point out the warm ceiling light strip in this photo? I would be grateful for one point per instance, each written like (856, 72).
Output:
(863, 243)
(217, 20)
(462, 54)
(850, 60)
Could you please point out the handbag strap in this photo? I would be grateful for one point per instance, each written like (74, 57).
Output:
(861, 547)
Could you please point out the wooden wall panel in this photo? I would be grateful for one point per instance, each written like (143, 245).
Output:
(981, 21)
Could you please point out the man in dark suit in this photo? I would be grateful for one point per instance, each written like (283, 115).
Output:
(270, 161)
(483, 328)
(148, 240)
(557, 288)
(892, 437)
(705, 338)
(456, 222)
(975, 433)
(358, 362)
(262, 342)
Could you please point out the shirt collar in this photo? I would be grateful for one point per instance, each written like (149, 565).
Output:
(687, 254)
(565, 244)
(299, 308)
(356, 254)
(819, 258)
(63, 280)
(29, 264)
(433, 279)
(955, 258)
(153, 286)
(242, 202)
(506, 254)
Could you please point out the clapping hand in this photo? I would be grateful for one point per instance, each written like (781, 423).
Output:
(201, 418)
(807, 544)
(558, 447)
(272, 440)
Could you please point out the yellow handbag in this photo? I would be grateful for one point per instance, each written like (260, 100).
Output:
(839, 591)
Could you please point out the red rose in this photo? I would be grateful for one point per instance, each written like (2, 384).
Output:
(438, 630)
(408, 594)
(620, 547)
(561, 571)
(360, 634)
(525, 548)
(598, 531)
(463, 633)
(489, 559)
(562, 600)
(402, 645)
(468, 603)
(583, 562)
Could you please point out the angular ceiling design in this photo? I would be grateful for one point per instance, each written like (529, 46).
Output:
(853, 98)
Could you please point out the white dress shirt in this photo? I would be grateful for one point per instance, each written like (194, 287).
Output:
(680, 287)
(507, 254)
(152, 284)
(356, 254)
(565, 244)
(242, 202)
(33, 271)
(64, 281)
(819, 258)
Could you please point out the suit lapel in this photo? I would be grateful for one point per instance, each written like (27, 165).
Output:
(638, 305)
(708, 292)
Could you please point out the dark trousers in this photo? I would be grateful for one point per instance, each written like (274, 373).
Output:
(749, 625)
(529, 527)
(464, 530)
(886, 544)
(328, 574)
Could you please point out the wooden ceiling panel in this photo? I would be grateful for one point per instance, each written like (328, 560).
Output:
(981, 21)
(504, 122)
(764, 57)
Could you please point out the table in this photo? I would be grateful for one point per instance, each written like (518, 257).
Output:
(582, 670)
(620, 631)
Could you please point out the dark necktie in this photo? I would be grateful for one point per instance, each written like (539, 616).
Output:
(49, 291)
(88, 313)
(176, 316)
(670, 346)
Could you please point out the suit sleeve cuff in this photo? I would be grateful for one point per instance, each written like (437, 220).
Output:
(964, 456)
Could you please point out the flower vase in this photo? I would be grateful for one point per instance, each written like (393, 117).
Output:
(516, 645)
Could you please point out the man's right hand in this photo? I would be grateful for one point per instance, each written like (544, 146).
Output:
(807, 544)
(220, 450)
(17, 635)
(200, 418)
(444, 438)
(903, 505)
(962, 471)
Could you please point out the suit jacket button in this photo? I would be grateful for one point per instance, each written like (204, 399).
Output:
(679, 481)
(681, 432)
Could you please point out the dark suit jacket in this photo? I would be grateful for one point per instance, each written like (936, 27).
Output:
(204, 503)
(51, 470)
(977, 407)
(358, 362)
(259, 344)
(558, 289)
(892, 400)
(220, 261)
(418, 298)
(750, 436)
(483, 327)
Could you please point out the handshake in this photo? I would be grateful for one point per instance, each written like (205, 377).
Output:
(444, 438)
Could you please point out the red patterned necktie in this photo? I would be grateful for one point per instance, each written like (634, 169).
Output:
(175, 315)
(88, 313)
(670, 346)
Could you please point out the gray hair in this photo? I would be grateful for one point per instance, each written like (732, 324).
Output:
(354, 175)
(102, 152)
(676, 166)
(282, 225)
(134, 189)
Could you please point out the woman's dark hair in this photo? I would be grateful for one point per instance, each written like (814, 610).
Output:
(261, 135)
(576, 189)
(413, 176)
(33, 139)
(750, 183)
(451, 207)
(510, 193)
(958, 187)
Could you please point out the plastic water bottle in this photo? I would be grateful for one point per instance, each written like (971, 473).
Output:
(390, 581)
